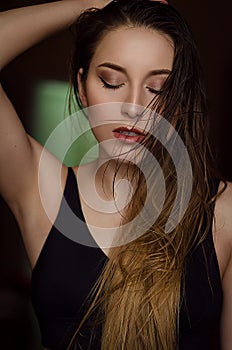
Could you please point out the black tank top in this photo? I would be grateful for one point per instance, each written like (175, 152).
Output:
(66, 272)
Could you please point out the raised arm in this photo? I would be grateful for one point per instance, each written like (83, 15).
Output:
(19, 153)
(32, 24)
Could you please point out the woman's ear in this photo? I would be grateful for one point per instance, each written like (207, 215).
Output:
(81, 88)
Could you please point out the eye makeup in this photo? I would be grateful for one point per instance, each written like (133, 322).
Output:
(154, 84)
(107, 85)
(114, 79)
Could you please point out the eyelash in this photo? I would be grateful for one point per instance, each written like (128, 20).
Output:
(108, 86)
(116, 87)
(153, 91)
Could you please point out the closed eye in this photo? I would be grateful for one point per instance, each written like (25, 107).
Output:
(110, 86)
(154, 91)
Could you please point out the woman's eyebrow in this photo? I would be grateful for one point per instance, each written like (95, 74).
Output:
(159, 72)
(113, 66)
(123, 70)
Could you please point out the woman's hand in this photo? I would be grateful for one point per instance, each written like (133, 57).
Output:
(103, 3)
(91, 3)
(164, 1)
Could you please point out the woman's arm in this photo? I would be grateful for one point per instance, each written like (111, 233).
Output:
(19, 154)
(223, 226)
(226, 322)
(22, 28)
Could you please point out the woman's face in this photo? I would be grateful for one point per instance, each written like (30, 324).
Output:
(129, 66)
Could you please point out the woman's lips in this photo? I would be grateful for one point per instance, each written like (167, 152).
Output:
(128, 135)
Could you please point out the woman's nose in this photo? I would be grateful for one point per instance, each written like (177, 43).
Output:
(131, 110)
(132, 106)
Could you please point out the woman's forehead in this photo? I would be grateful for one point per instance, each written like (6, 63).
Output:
(135, 48)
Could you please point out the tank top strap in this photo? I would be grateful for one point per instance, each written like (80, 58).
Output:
(71, 192)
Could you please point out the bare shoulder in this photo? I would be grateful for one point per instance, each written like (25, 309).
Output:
(223, 233)
(223, 210)
(223, 226)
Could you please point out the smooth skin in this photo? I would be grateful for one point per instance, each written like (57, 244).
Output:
(20, 154)
(131, 81)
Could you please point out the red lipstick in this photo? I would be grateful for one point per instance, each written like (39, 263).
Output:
(128, 135)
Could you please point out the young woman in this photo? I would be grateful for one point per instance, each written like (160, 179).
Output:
(136, 73)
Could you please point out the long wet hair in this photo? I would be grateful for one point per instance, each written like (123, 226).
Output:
(140, 291)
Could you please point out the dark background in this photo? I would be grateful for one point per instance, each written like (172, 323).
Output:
(211, 24)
